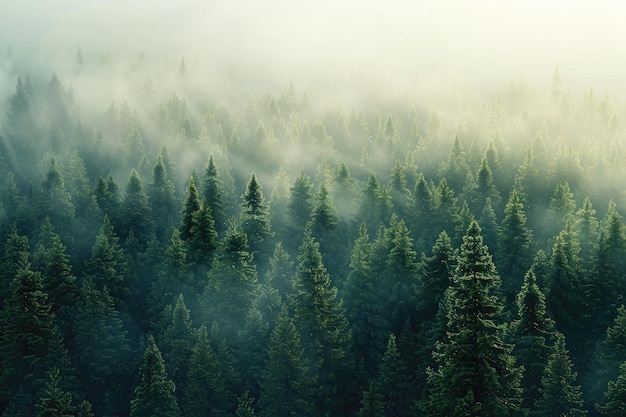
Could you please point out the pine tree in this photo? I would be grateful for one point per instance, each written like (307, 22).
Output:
(213, 193)
(375, 204)
(615, 396)
(532, 333)
(107, 264)
(178, 339)
(514, 244)
(476, 373)
(287, 385)
(207, 393)
(55, 402)
(255, 222)
(435, 277)
(367, 317)
(190, 206)
(136, 212)
(232, 285)
(203, 241)
(391, 392)
(101, 341)
(325, 227)
(163, 204)
(300, 205)
(559, 395)
(154, 393)
(55, 201)
(324, 330)
(421, 214)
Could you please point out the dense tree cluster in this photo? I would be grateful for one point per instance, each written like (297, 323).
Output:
(270, 256)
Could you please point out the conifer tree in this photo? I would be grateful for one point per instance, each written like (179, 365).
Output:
(324, 330)
(559, 396)
(514, 244)
(136, 212)
(300, 204)
(375, 205)
(101, 341)
(190, 206)
(255, 222)
(203, 241)
(325, 227)
(178, 343)
(54, 401)
(107, 264)
(435, 276)
(476, 373)
(30, 343)
(207, 393)
(421, 214)
(232, 285)
(615, 396)
(367, 317)
(391, 393)
(532, 334)
(161, 195)
(213, 193)
(154, 393)
(287, 385)
(55, 201)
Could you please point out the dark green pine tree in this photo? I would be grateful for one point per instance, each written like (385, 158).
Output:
(446, 209)
(400, 277)
(178, 341)
(375, 204)
(615, 396)
(462, 221)
(59, 282)
(489, 225)
(107, 197)
(203, 241)
(162, 197)
(435, 277)
(135, 210)
(107, 264)
(400, 194)
(421, 214)
(587, 228)
(213, 193)
(255, 222)
(485, 187)
(392, 391)
(533, 334)
(245, 406)
(30, 342)
(562, 206)
(558, 394)
(55, 202)
(325, 333)
(456, 169)
(54, 401)
(514, 245)
(367, 317)
(287, 385)
(190, 206)
(16, 249)
(232, 285)
(300, 206)
(325, 227)
(563, 284)
(154, 393)
(207, 392)
(101, 341)
(344, 194)
(476, 373)
(615, 235)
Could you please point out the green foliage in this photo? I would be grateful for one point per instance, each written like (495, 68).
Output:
(559, 395)
(154, 393)
(255, 222)
(55, 402)
(476, 373)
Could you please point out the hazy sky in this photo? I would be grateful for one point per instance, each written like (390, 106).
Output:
(480, 41)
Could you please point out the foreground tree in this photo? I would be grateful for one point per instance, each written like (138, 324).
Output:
(154, 394)
(559, 395)
(476, 373)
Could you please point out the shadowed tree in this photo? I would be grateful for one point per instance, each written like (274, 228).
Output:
(154, 393)
(255, 222)
(163, 204)
(533, 334)
(476, 373)
(559, 396)
(213, 193)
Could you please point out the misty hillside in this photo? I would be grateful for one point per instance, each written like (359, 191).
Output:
(307, 225)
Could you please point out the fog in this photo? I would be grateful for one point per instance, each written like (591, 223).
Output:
(482, 43)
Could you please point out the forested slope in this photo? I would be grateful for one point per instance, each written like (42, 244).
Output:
(191, 250)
